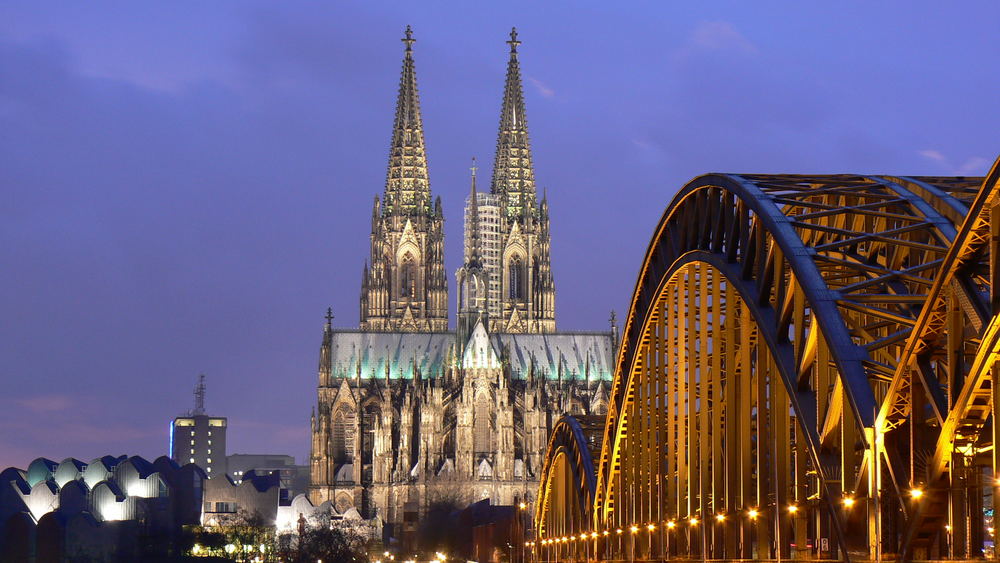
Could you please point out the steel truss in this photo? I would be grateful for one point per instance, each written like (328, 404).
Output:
(805, 370)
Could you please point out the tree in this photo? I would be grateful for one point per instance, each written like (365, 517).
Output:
(322, 541)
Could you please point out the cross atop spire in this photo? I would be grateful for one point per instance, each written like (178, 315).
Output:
(329, 316)
(409, 40)
(513, 171)
(513, 40)
(407, 190)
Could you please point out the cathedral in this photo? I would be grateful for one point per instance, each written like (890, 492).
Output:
(410, 413)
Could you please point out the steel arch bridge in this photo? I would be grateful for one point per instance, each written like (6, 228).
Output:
(805, 371)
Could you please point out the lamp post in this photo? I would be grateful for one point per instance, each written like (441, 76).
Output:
(635, 530)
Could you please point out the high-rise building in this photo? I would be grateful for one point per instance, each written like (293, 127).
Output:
(410, 414)
(199, 438)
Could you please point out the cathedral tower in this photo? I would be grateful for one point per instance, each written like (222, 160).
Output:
(404, 287)
(527, 290)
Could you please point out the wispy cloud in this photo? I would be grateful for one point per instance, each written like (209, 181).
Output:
(971, 166)
(715, 37)
(542, 88)
(45, 403)
(932, 155)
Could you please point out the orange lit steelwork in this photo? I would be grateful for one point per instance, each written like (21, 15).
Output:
(812, 355)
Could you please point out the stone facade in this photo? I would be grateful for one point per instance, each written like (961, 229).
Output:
(410, 414)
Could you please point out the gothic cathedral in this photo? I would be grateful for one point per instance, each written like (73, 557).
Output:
(410, 413)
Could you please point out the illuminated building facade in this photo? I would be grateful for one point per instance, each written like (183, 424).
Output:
(104, 510)
(199, 438)
(411, 413)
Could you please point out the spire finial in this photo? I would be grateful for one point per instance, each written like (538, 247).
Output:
(409, 40)
(513, 40)
(474, 167)
(329, 314)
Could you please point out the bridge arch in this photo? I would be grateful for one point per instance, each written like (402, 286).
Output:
(568, 481)
(763, 388)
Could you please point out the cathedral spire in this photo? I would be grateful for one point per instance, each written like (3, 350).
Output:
(474, 242)
(513, 171)
(407, 189)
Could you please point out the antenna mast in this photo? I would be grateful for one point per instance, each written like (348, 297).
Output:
(199, 396)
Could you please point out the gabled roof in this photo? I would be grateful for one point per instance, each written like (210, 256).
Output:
(573, 355)
(373, 351)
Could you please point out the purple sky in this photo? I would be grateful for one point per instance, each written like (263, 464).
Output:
(186, 186)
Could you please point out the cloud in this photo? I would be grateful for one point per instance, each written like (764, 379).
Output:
(974, 166)
(544, 90)
(715, 37)
(46, 403)
(971, 166)
(932, 155)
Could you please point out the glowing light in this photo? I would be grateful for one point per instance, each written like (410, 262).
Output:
(848, 501)
(990, 531)
(605, 532)
(792, 509)
(947, 527)
(752, 513)
(720, 517)
(671, 524)
(634, 529)
(196, 549)
(693, 520)
(230, 548)
(916, 493)
(650, 527)
(618, 531)
(593, 535)
(522, 506)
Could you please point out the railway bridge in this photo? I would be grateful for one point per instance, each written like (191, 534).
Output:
(805, 372)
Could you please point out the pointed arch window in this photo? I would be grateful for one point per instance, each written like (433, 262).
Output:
(516, 277)
(482, 426)
(340, 438)
(368, 423)
(408, 277)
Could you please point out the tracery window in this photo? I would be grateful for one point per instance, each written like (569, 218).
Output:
(408, 277)
(516, 277)
(368, 422)
(341, 435)
(482, 426)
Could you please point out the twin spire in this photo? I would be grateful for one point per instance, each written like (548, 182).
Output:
(407, 185)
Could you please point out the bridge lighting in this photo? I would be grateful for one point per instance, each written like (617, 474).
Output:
(916, 493)
(671, 524)
(792, 509)
(605, 532)
(651, 527)
(593, 535)
(848, 502)
(693, 520)
(634, 529)
(720, 517)
(752, 513)
(618, 531)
